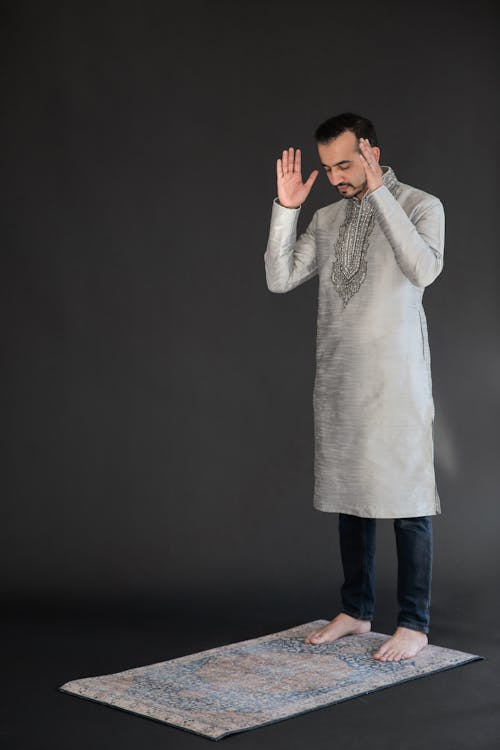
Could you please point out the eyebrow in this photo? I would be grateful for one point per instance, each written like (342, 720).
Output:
(344, 161)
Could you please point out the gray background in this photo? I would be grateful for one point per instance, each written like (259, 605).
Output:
(156, 397)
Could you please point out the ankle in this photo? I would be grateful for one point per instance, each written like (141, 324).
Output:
(352, 617)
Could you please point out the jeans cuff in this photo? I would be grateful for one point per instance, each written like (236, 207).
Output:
(414, 626)
(356, 615)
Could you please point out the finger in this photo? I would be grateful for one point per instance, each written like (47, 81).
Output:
(297, 166)
(366, 148)
(367, 162)
(285, 161)
(364, 164)
(290, 159)
(368, 151)
(279, 169)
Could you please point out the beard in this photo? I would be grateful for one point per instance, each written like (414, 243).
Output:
(350, 191)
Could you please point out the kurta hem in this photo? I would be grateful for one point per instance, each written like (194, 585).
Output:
(368, 513)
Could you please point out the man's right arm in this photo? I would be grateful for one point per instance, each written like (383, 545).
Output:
(289, 261)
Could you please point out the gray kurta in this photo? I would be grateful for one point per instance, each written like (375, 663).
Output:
(372, 400)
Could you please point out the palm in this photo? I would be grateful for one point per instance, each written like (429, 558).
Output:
(292, 192)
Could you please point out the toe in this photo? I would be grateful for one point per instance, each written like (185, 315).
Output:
(315, 638)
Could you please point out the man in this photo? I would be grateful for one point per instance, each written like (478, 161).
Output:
(374, 251)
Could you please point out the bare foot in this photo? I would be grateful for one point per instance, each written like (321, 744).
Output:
(341, 625)
(403, 644)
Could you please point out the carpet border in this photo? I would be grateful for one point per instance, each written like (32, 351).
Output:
(470, 660)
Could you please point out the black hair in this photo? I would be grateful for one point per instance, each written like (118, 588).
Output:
(334, 126)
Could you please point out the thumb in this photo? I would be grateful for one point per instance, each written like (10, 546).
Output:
(311, 179)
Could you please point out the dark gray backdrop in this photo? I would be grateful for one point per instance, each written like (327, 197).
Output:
(157, 439)
(156, 397)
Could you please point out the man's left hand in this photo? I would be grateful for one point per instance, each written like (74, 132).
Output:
(370, 164)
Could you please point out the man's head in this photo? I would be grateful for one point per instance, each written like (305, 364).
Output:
(338, 149)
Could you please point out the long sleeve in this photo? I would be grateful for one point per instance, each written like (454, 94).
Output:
(418, 244)
(289, 261)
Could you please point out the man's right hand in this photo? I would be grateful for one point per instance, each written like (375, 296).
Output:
(292, 192)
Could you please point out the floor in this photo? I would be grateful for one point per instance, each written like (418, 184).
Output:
(45, 646)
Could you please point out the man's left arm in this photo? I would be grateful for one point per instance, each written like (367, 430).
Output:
(418, 243)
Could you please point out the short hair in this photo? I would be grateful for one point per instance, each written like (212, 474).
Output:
(334, 126)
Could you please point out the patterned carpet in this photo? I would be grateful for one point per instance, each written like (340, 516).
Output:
(259, 681)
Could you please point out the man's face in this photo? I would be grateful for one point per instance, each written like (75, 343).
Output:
(341, 162)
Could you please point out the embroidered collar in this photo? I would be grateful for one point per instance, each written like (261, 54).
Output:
(389, 178)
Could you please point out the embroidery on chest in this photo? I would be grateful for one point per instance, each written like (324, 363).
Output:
(349, 262)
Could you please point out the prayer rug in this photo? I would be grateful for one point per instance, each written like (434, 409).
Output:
(259, 681)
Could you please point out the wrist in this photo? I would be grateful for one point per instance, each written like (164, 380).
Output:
(372, 190)
(291, 207)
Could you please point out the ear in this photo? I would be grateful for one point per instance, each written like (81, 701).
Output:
(376, 151)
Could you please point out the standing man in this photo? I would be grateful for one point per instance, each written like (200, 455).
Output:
(374, 251)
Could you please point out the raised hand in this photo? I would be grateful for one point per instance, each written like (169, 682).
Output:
(372, 168)
(292, 192)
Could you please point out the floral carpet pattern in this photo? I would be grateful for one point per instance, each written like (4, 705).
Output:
(249, 684)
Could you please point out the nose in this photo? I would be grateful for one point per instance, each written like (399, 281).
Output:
(337, 181)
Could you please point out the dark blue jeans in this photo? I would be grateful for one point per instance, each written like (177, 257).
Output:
(414, 553)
